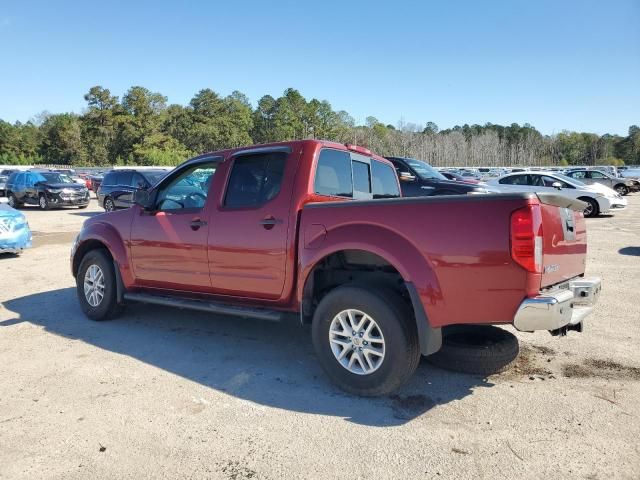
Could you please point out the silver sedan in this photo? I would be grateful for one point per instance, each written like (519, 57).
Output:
(621, 185)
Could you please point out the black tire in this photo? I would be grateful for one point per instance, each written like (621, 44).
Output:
(108, 205)
(402, 350)
(621, 189)
(593, 210)
(108, 308)
(43, 203)
(13, 201)
(476, 349)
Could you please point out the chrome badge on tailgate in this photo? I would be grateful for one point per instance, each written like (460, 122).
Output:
(568, 223)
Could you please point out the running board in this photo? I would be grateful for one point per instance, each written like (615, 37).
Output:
(205, 306)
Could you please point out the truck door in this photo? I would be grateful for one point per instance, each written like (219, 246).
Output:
(249, 240)
(169, 243)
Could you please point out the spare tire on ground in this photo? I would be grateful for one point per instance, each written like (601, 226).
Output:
(476, 349)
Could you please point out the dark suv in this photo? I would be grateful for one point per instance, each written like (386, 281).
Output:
(419, 179)
(45, 188)
(118, 186)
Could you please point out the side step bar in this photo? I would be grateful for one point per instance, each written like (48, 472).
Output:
(205, 306)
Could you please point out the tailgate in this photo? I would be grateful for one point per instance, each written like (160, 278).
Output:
(564, 239)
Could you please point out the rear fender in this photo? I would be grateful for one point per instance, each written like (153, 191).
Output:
(400, 253)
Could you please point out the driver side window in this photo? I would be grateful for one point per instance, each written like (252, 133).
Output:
(188, 190)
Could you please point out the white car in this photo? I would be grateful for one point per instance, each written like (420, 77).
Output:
(599, 198)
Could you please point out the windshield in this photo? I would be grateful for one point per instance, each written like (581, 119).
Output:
(569, 180)
(154, 176)
(53, 177)
(424, 170)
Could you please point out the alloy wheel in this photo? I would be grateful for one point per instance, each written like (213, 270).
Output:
(94, 285)
(589, 210)
(357, 342)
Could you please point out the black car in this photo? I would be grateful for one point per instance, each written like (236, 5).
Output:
(118, 186)
(419, 179)
(46, 189)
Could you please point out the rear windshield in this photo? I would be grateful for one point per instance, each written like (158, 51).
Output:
(384, 180)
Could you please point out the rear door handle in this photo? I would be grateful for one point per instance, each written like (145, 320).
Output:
(269, 222)
(196, 223)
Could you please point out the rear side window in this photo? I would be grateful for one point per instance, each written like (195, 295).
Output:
(384, 183)
(255, 179)
(333, 175)
(109, 179)
(124, 178)
(514, 180)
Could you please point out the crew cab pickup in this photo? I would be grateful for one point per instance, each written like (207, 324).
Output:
(318, 230)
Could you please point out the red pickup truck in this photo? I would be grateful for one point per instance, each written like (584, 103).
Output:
(317, 229)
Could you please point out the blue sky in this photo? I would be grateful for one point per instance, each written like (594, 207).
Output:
(555, 64)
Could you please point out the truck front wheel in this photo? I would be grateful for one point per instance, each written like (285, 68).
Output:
(96, 286)
(365, 339)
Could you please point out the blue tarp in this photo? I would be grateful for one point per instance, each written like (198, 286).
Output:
(14, 230)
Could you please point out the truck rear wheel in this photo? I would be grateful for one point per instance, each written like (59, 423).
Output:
(476, 349)
(96, 286)
(365, 340)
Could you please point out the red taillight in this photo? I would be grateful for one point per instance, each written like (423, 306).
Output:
(526, 238)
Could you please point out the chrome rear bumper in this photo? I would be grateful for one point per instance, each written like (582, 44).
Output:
(564, 308)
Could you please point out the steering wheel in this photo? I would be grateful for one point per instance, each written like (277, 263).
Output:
(193, 196)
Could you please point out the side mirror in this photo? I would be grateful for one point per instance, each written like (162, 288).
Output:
(143, 198)
(557, 185)
(406, 177)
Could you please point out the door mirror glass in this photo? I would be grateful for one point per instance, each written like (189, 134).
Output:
(406, 177)
(557, 185)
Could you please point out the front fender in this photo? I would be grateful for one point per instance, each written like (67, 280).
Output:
(402, 254)
(100, 232)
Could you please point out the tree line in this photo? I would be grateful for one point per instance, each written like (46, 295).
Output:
(142, 129)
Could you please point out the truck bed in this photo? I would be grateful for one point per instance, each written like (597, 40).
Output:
(456, 250)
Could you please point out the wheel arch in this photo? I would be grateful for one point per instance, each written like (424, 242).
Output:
(408, 273)
(104, 236)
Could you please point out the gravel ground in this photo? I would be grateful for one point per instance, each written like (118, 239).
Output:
(163, 393)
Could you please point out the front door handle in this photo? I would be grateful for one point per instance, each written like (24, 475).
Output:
(269, 222)
(196, 223)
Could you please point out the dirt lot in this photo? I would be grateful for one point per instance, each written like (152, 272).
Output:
(164, 393)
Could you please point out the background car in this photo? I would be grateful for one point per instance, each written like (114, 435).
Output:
(118, 186)
(71, 173)
(15, 234)
(458, 178)
(46, 189)
(621, 185)
(599, 199)
(419, 179)
(4, 176)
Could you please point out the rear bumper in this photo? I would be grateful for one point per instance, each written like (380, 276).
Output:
(564, 308)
